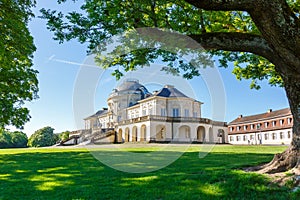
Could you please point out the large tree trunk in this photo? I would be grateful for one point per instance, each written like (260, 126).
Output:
(289, 159)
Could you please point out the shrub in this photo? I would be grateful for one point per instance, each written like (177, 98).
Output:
(19, 139)
(64, 135)
(43, 137)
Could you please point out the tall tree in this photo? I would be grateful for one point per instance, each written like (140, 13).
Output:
(43, 137)
(18, 81)
(261, 37)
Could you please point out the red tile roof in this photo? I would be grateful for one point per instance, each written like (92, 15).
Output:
(263, 116)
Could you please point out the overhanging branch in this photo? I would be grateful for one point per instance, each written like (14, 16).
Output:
(242, 42)
(222, 5)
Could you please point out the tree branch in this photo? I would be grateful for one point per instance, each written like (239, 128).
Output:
(242, 42)
(227, 41)
(223, 5)
(277, 23)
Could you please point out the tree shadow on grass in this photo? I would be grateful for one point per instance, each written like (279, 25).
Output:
(78, 175)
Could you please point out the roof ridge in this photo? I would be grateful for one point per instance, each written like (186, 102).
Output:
(262, 116)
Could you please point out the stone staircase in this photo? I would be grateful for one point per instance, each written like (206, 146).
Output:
(85, 137)
(98, 136)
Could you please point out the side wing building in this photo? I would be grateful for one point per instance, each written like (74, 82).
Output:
(272, 127)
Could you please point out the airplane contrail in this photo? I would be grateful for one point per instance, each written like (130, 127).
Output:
(51, 58)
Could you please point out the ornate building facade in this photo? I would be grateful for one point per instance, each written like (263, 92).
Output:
(272, 127)
(167, 115)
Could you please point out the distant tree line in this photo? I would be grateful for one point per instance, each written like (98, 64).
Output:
(14, 139)
(40, 138)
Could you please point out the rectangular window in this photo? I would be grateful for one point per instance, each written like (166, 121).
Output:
(281, 135)
(251, 126)
(186, 113)
(162, 112)
(195, 114)
(175, 112)
(95, 124)
(266, 136)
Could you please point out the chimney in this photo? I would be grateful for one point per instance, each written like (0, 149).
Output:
(240, 116)
(270, 110)
(169, 86)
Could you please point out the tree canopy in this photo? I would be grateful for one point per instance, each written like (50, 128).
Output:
(43, 137)
(260, 37)
(223, 28)
(14, 139)
(18, 80)
(63, 136)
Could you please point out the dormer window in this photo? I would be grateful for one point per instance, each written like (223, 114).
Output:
(281, 122)
(266, 124)
(258, 126)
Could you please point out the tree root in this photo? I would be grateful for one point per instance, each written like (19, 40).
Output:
(289, 160)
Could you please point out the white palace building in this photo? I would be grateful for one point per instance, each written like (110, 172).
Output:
(167, 115)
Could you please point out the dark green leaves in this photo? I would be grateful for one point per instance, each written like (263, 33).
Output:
(18, 81)
(99, 20)
(12, 139)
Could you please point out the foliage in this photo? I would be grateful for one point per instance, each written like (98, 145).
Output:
(43, 137)
(5, 139)
(19, 139)
(18, 80)
(75, 174)
(100, 20)
(14, 139)
(64, 135)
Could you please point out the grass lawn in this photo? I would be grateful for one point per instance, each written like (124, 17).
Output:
(73, 173)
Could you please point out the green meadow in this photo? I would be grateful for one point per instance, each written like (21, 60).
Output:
(74, 173)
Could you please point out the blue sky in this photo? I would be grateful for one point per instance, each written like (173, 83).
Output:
(60, 65)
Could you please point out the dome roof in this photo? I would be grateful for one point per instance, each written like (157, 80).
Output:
(129, 84)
